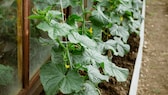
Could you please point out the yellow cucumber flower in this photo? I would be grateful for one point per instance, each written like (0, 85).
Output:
(90, 30)
(67, 66)
(121, 18)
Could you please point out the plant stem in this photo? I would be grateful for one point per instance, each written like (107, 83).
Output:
(99, 91)
(105, 32)
(65, 47)
(62, 11)
(59, 42)
(69, 58)
(83, 15)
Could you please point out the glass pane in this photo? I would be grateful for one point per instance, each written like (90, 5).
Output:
(9, 84)
(89, 4)
(39, 53)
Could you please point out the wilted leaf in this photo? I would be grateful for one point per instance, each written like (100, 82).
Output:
(121, 74)
(95, 76)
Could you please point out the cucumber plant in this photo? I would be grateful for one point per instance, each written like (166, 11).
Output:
(78, 57)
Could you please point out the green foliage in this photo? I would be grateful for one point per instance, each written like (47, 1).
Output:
(75, 49)
(121, 74)
(95, 76)
(89, 89)
(7, 36)
(98, 18)
(76, 61)
(119, 31)
(56, 55)
(75, 37)
(56, 77)
(6, 73)
(117, 46)
(72, 19)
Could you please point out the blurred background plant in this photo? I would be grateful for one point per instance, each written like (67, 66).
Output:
(7, 42)
(8, 20)
(7, 73)
(7, 29)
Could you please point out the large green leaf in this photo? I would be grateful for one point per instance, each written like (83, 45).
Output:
(109, 45)
(45, 26)
(55, 77)
(137, 4)
(120, 74)
(85, 41)
(98, 18)
(90, 56)
(97, 33)
(137, 15)
(89, 89)
(120, 31)
(51, 76)
(72, 82)
(61, 29)
(117, 46)
(125, 5)
(94, 56)
(95, 76)
(135, 25)
(52, 14)
(115, 18)
(57, 55)
(55, 29)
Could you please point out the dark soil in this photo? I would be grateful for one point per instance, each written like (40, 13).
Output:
(122, 88)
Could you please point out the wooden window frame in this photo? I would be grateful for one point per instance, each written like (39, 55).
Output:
(29, 87)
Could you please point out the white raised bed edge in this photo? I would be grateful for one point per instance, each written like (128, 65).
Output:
(136, 73)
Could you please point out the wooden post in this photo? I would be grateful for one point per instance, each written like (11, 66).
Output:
(26, 5)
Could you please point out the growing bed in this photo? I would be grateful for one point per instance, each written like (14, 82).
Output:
(132, 61)
(79, 52)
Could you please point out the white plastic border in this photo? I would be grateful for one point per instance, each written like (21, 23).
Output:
(136, 73)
